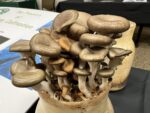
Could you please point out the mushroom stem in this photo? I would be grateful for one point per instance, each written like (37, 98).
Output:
(60, 82)
(94, 66)
(104, 83)
(65, 95)
(83, 87)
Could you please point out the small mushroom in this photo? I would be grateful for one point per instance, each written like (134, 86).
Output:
(108, 24)
(95, 39)
(94, 54)
(68, 65)
(105, 74)
(45, 30)
(44, 45)
(64, 19)
(62, 78)
(82, 76)
(118, 52)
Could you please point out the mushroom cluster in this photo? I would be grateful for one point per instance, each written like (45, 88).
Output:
(78, 59)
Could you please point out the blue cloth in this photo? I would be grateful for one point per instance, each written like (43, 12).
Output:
(8, 58)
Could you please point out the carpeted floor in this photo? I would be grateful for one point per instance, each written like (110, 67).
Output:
(142, 56)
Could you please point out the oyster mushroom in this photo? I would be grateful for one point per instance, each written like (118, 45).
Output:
(82, 84)
(44, 45)
(118, 52)
(23, 47)
(108, 24)
(28, 78)
(105, 74)
(63, 20)
(93, 57)
(95, 39)
(25, 75)
(116, 56)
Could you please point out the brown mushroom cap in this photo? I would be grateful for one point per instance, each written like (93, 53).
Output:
(45, 30)
(94, 54)
(81, 72)
(76, 30)
(21, 65)
(28, 78)
(118, 52)
(64, 19)
(76, 48)
(44, 45)
(20, 46)
(59, 73)
(95, 39)
(65, 43)
(107, 24)
(106, 73)
(68, 65)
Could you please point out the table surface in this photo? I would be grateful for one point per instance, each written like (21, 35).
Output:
(137, 12)
(134, 98)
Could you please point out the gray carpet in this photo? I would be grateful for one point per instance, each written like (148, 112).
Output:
(142, 56)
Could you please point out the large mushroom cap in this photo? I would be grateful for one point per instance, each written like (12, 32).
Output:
(94, 54)
(44, 45)
(20, 46)
(59, 73)
(107, 24)
(28, 78)
(81, 72)
(95, 39)
(106, 73)
(118, 52)
(64, 19)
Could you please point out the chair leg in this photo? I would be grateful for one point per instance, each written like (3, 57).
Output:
(137, 40)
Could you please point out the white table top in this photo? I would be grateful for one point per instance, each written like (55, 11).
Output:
(16, 24)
